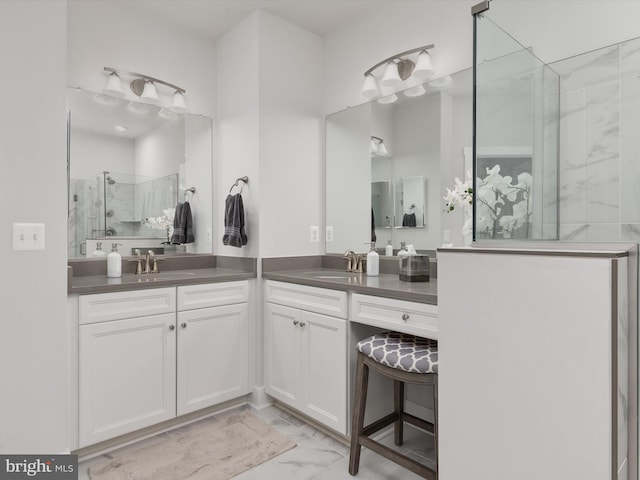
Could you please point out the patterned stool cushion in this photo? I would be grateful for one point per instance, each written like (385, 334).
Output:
(404, 352)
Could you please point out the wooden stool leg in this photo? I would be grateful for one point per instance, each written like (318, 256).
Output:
(359, 403)
(435, 423)
(398, 407)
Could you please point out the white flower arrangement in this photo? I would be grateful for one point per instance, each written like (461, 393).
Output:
(503, 207)
(164, 222)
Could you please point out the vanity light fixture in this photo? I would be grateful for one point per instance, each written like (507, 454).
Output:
(378, 148)
(144, 87)
(441, 82)
(388, 99)
(415, 91)
(398, 68)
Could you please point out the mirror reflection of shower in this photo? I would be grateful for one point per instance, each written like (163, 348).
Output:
(112, 204)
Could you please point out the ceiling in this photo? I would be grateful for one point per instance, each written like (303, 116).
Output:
(213, 18)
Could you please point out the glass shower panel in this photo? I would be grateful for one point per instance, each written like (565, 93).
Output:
(516, 139)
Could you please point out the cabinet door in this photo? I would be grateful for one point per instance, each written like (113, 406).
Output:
(323, 394)
(282, 353)
(127, 376)
(213, 352)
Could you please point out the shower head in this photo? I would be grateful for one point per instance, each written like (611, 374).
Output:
(110, 181)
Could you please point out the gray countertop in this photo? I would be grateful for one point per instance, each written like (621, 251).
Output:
(90, 275)
(129, 281)
(384, 285)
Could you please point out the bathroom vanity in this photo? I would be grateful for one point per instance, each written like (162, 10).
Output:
(148, 349)
(314, 317)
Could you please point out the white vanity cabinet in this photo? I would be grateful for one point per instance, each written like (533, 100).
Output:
(126, 362)
(213, 348)
(414, 318)
(306, 350)
(147, 356)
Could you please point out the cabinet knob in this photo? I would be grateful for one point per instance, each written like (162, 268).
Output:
(302, 324)
(172, 327)
(184, 325)
(405, 316)
(296, 322)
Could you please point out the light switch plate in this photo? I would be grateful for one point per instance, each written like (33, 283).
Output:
(314, 234)
(329, 234)
(28, 236)
(209, 235)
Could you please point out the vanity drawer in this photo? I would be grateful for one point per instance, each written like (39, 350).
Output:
(401, 316)
(304, 297)
(191, 297)
(102, 307)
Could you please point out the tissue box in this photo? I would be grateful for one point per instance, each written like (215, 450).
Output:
(414, 268)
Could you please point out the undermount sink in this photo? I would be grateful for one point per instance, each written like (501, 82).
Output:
(331, 274)
(170, 275)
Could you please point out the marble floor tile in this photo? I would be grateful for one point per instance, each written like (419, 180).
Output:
(316, 456)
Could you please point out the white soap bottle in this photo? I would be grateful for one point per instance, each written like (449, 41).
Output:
(98, 252)
(402, 253)
(114, 262)
(373, 262)
(388, 250)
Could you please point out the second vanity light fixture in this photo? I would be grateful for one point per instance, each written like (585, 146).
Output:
(398, 68)
(145, 88)
(378, 147)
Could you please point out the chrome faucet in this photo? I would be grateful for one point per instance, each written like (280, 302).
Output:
(352, 259)
(151, 262)
(355, 262)
(138, 261)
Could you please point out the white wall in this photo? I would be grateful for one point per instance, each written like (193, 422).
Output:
(417, 153)
(389, 28)
(270, 129)
(158, 153)
(91, 151)
(103, 33)
(197, 173)
(291, 140)
(33, 333)
(237, 131)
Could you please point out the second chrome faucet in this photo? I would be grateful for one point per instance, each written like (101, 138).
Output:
(150, 262)
(355, 263)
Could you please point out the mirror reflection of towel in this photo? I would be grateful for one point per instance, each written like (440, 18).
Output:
(373, 226)
(234, 233)
(182, 224)
(409, 220)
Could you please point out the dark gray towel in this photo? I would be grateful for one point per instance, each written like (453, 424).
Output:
(409, 220)
(182, 224)
(234, 233)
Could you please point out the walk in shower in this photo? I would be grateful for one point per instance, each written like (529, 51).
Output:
(516, 113)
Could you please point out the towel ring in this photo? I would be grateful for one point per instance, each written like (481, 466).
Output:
(190, 190)
(244, 180)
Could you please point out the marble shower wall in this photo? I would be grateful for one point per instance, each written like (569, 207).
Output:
(129, 200)
(599, 146)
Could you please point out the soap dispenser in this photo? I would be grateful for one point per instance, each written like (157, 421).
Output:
(114, 262)
(98, 252)
(388, 250)
(402, 253)
(373, 261)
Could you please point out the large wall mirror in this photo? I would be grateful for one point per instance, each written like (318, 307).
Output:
(130, 164)
(388, 166)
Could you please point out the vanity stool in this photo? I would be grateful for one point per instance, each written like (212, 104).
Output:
(405, 359)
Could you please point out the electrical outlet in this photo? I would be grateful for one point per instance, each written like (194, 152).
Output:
(329, 234)
(28, 236)
(314, 234)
